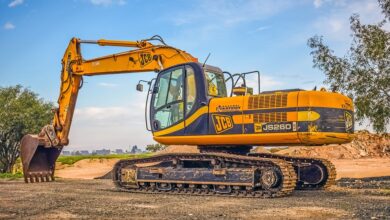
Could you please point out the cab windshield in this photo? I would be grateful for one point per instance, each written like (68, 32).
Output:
(215, 84)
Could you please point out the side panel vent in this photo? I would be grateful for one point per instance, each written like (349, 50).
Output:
(270, 117)
(268, 101)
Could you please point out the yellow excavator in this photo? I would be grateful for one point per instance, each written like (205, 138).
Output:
(188, 104)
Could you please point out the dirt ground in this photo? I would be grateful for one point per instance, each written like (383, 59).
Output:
(359, 168)
(99, 199)
(76, 195)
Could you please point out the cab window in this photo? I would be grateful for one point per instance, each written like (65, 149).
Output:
(168, 101)
(215, 84)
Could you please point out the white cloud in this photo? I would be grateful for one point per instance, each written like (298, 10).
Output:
(230, 13)
(317, 3)
(113, 114)
(107, 85)
(335, 24)
(262, 28)
(110, 127)
(267, 83)
(121, 2)
(107, 2)
(15, 3)
(334, 27)
(9, 26)
(338, 3)
(101, 114)
(210, 20)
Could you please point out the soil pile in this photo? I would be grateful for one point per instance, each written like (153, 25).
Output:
(261, 150)
(86, 169)
(365, 145)
(179, 149)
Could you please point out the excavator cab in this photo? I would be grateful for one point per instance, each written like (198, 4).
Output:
(180, 91)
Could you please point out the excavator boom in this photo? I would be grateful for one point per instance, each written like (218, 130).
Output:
(39, 152)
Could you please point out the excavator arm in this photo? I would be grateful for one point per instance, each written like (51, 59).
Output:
(39, 152)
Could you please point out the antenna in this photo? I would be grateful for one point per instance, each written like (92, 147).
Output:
(206, 59)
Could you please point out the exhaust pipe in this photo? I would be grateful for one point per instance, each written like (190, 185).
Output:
(38, 159)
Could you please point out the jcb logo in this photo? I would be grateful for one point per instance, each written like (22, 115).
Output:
(222, 123)
(145, 58)
(258, 127)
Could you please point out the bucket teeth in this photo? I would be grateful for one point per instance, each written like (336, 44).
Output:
(36, 178)
(39, 177)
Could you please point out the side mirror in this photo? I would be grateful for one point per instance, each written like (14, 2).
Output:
(155, 90)
(140, 87)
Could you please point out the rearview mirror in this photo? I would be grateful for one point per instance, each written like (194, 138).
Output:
(155, 90)
(140, 87)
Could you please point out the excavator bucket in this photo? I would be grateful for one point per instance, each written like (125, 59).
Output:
(38, 161)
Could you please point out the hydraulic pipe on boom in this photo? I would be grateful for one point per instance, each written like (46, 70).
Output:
(39, 152)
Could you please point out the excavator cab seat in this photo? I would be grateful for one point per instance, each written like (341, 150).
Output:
(242, 91)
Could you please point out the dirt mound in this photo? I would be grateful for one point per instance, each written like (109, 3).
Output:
(365, 145)
(180, 149)
(107, 176)
(363, 167)
(260, 150)
(86, 169)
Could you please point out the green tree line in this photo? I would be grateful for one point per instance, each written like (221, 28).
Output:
(21, 112)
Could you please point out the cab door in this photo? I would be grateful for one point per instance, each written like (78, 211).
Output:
(196, 108)
(167, 107)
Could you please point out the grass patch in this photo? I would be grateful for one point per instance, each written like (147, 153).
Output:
(385, 191)
(73, 159)
(11, 175)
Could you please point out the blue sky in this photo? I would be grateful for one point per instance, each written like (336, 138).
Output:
(265, 35)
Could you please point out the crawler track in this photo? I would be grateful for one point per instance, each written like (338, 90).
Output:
(324, 168)
(285, 186)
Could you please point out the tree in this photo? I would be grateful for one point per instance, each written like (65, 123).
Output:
(134, 149)
(155, 147)
(364, 73)
(21, 112)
